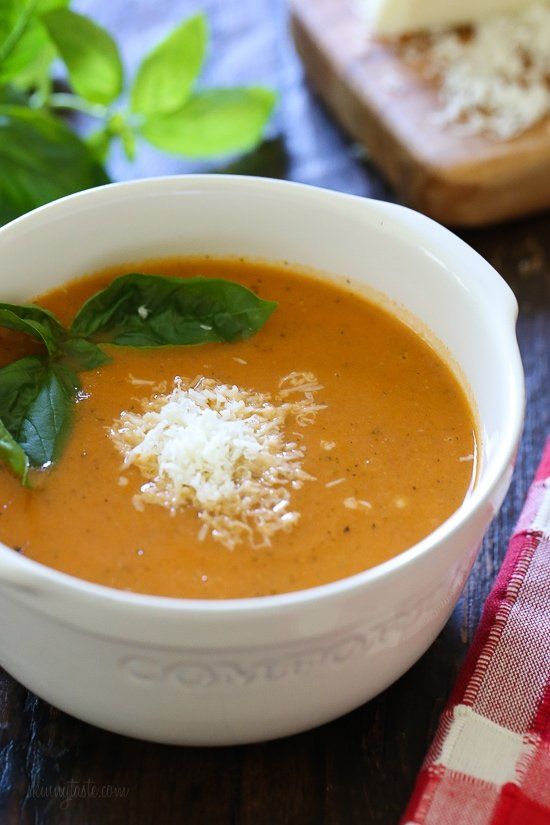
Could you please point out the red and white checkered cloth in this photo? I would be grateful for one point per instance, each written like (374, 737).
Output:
(489, 763)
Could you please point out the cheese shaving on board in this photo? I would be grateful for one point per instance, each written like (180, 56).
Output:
(494, 78)
(222, 451)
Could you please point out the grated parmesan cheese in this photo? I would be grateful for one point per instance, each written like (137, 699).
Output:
(139, 382)
(221, 450)
(335, 483)
(493, 78)
(353, 503)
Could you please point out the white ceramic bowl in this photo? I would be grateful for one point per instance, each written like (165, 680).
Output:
(220, 672)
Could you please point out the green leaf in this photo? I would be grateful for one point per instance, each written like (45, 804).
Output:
(165, 78)
(20, 40)
(36, 73)
(36, 406)
(19, 386)
(152, 310)
(81, 355)
(12, 96)
(12, 454)
(214, 122)
(35, 321)
(25, 49)
(41, 160)
(48, 419)
(40, 323)
(90, 54)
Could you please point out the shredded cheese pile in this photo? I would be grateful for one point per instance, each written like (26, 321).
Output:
(221, 450)
(494, 78)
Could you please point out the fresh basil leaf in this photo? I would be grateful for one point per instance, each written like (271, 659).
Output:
(36, 321)
(35, 75)
(36, 406)
(41, 159)
(214, 122)
(48, 419)
(81, 355)
(12, 96)
(19, 37)
(89, 53)
(19, 385)
(23, 40)
(12, 454)
(165, 78)
(152, 310)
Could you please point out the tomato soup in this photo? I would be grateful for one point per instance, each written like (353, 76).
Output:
(387, 457)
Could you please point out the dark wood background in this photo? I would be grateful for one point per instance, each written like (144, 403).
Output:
(361, 768)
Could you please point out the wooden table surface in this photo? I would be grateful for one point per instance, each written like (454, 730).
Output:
(359, 769)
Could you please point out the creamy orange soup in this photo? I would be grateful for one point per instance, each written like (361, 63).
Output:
(399, 430)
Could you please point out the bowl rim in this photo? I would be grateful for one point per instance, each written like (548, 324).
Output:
(424, 229)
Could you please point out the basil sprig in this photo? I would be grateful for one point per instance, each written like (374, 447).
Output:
(38, 393)
(42, 157)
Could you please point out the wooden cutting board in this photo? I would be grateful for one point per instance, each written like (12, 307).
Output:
(389, 107)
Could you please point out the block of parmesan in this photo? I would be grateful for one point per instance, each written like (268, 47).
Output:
(396, 17)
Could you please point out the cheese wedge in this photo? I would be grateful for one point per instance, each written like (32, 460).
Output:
(395, 17)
